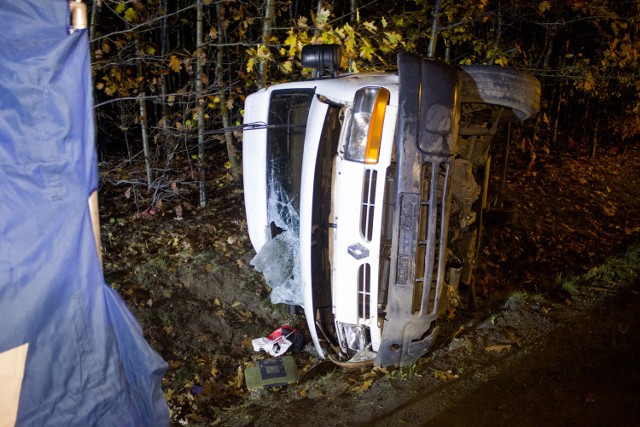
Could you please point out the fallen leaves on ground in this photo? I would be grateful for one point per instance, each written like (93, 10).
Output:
(200, 303)
(446, 375)
(498, 348)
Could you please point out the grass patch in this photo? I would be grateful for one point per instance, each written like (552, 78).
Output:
(619, 271)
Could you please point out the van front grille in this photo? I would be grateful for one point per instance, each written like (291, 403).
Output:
(364, 291)
(368, 204)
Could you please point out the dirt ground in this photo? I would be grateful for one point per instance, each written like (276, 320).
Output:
(529, 364)
(553, 341)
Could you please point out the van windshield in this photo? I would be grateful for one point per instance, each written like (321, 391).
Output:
(279, 258)
(288, 115)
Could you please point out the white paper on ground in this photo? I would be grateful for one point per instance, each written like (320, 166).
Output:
(275, 347)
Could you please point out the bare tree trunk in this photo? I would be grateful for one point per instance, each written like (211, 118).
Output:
(434, 30)
(556, 121)
(93, 22)
(169, 150)
(266, 35)
(505, 166)
(200, 104)
(560, 95)
(594, 140)
(547, 56)
(496, 42)
(352, 18)
(143, 120)
(228, 136)
(316, 33)
(231, 149)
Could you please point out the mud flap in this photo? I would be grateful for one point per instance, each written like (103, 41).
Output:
(426, 138)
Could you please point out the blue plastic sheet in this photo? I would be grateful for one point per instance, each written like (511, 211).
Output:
(88, 362)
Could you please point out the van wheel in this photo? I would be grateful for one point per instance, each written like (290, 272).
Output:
(517, 91)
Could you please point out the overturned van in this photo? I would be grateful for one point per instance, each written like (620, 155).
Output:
(365, 193)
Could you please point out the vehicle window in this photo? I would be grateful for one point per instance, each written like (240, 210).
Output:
(288, 115)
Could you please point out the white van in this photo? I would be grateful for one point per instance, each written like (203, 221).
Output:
(364, 196)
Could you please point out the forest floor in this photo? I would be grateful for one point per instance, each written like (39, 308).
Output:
(554, 339)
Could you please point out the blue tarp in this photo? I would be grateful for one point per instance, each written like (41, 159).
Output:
(88, 362)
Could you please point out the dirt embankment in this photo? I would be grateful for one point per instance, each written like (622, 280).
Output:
(530, 363)
(187, 279)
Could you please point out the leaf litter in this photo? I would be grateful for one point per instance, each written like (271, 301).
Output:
(200, 303)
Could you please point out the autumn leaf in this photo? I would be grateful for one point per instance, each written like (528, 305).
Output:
(544, 6)
(247, 342)
(239, 379)
(502, 61)
(263, 53)
(498, 348)
(367, 52)
(250, 64)
(246, 314)
(292, 39)
(370, 26)
(213, 33)
(445, 375)
(287, 67)
(174, 63)
(130, 15)
(303, 23)
(349, 45)
(322, 17)
(589, 84)
(366, 385)
(393, 37)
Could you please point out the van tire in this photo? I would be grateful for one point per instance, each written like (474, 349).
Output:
(516, 90)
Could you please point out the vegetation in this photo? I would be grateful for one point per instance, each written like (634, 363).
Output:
(171, 76)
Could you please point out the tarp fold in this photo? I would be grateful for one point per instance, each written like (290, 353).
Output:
(87, 362)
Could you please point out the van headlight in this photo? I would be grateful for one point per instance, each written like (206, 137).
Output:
(367, 118)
